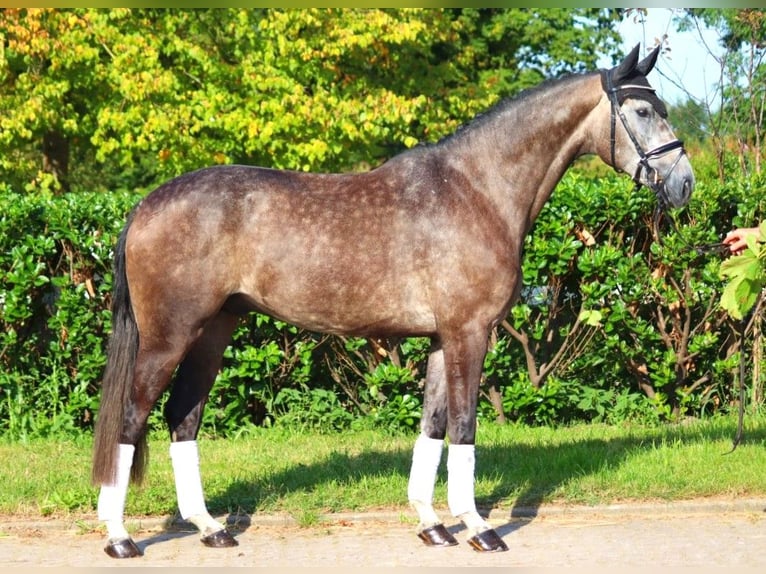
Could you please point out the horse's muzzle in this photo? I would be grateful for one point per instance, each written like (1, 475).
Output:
(673, 188)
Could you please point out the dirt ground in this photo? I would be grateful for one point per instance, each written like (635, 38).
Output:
(697, 534)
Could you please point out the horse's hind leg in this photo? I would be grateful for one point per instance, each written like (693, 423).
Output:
(183, 412)
(153, 370)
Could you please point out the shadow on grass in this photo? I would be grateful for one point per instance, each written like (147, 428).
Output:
(524, 475)
(547, 468)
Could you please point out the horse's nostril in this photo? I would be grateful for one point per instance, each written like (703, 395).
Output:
(688, 187)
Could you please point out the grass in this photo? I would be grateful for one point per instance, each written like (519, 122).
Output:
(307, 475)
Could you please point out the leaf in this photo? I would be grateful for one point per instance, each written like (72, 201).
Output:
(739, 296)
(591, 317)
(744, 265)
(746, 280)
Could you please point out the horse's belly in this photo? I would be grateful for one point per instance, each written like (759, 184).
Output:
(359, 319)
(332, 304)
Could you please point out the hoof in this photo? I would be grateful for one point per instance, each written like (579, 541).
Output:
(219, 539)
(487, 541)
(437, 535)
(124, 548)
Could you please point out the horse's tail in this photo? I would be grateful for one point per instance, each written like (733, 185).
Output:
(117, 380)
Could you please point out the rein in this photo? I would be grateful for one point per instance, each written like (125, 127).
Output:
(742, 328)
(715, 249)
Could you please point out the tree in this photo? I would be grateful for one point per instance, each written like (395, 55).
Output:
(739, 121)
(127, 98)
(690, 121)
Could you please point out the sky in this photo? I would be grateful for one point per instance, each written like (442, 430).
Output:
(688, 63)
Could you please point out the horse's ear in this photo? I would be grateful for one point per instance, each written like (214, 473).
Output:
(645, 66)
(626, 67)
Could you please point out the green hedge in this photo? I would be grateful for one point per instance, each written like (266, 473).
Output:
(613, 325)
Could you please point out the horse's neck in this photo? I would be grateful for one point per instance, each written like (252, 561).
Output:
(519, 157)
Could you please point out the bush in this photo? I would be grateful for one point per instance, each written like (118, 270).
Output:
(55, 258)
(612, 324)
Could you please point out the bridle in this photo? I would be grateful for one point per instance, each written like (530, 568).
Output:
(653, 179)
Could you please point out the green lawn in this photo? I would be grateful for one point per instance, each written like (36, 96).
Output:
(272, 471)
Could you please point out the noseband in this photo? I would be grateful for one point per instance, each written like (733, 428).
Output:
(653, 179)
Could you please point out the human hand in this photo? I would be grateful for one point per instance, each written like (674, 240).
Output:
(737, 238)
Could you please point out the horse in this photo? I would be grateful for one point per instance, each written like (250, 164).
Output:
(427, 244)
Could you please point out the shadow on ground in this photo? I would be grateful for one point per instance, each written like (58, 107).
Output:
(522, 473)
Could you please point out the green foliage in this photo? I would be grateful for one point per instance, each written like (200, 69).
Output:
(308, 474)
(590, 257)
(56, 283)
(121, 98)
(735, 121)
(612, 325)
(265, 358)
(636, 320)
(394, 398)
(311, 409)
(690, 122)
(747, 276)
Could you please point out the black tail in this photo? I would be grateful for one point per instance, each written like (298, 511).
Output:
(118, 379)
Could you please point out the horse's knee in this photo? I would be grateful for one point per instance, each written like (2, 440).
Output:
(433, 422)
(434, 425)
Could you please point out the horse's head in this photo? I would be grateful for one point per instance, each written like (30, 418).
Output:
(642, 142)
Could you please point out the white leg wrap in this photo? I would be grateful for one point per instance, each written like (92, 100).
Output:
(461, 464)
(185, 459)
(111, 499)
(191, 500)
(426, 456)
(205, 523)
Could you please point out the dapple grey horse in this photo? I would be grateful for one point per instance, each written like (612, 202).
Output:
(427, 244)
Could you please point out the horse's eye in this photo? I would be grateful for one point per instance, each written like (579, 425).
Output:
(643, 112)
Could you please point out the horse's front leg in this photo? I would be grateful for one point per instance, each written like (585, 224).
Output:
(183, 412)
(427, 454)
(464, 360)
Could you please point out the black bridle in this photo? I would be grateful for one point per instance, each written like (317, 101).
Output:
(653, 179)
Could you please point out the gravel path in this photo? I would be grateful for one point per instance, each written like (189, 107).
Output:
(696, 534)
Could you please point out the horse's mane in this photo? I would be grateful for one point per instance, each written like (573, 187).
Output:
(488, 116)
(508, 103)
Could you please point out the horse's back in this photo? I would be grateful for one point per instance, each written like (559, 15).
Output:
(371, 252)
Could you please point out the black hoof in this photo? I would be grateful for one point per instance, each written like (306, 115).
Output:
(437, 535)
(487, 541)
(124, 548)
(219, 539)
